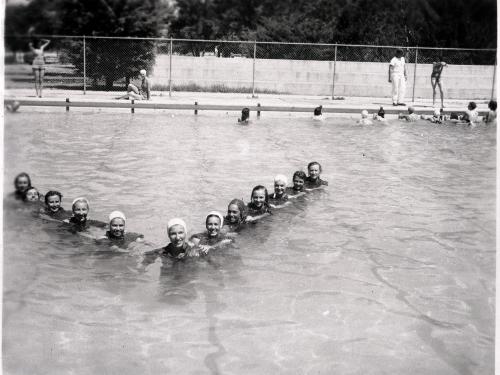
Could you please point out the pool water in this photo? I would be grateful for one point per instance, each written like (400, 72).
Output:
(390, 270)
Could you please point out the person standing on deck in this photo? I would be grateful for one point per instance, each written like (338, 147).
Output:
(397, 76)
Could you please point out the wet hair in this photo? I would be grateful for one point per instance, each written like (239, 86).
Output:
(51, 193)
(241, 207)
(300, 174)
(411, 110)
(317, 110)
(245, 114)
(313, 163)
(22, 174)
(381, 112)
(492, 105)
(472, 105)
(260, 187)
(25, 197)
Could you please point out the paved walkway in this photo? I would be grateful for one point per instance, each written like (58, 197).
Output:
(359, 103)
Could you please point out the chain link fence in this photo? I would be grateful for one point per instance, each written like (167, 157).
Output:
(109, 64)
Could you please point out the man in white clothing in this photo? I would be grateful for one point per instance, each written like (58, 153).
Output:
(397, 76)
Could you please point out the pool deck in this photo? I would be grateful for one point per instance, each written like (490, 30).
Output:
(231, 101)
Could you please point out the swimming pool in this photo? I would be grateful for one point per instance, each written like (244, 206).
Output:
(390, 270)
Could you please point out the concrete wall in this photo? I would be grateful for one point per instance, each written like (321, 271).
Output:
(315, 77)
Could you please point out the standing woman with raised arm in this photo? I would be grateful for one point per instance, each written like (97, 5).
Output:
(437, 69)
(39, 64)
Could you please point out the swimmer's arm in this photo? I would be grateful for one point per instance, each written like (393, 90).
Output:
(296, 195)
(250, 219)
(280, 205)
(48, 218)
(47, 42)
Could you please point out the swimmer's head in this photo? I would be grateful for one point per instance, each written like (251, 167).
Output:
(32, 195)
(492, 105)
(177, 232)
(236, 211)
(381, 112)
(22, 182)
(411, 110)
(280, 182)
(317, 110)
(364, 113)
(259, 196)
(472, 106)
(245, 114)
(214, 223)
(142, 72)
(314, 169)
(117, 221)
(80, 208)
(53, 200)
(299, 179)
(437, 112)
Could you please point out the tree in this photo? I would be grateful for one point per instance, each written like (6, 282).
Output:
(113, 59)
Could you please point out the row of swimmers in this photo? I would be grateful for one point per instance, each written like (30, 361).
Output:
(220, 229)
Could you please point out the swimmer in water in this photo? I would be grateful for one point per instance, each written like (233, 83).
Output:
(213, 237)
(22, 183)
(79, 222)
(32, 195)
(53, 209)
(437, 117)
(178, 248)
(314, 181)
(236, 216)
(245, 116)
(279, 198)
(410, 117)
(299, 179)
(471, 115)
(116, 235)
(259, 204)
(364, 118)
(318, 114)
(380, 115)
(491, 116)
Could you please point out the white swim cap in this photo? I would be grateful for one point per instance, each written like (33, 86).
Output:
(176, 221)
(282, 178)
(143, 72)
(117, 215)
(219, 215)
(437, 112)
(80, 199)
(364, 113)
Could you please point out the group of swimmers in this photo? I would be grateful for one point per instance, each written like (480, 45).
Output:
(220, 229)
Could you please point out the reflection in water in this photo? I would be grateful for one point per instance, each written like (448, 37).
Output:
(391, 268)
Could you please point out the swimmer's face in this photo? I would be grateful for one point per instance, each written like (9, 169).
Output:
(117, 227)
(233, 212)
(259, 197)
(32, 195)
(22, 183)
(279, 187)
(213, 226)
(298, 183)
(80, 210)
(54, 203)
(314, 171)
(177, 235)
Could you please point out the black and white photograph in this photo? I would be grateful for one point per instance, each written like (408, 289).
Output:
(249, 187)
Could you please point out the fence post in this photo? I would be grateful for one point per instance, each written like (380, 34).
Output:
(494, 78)
(84, 67)
(253, 70)
(170, 70)
(415, 74)
(334, 70)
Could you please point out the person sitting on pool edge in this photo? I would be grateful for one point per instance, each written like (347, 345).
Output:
(313, 181)
(142, 93)
(213, 237)
(245, 116)
(116, 235)
(259, 204)
(410, 117)
(279, 198)
(236, 216)
(22, 183)
(299, 179)
(53, 209)
(79, 222)
(364, 118)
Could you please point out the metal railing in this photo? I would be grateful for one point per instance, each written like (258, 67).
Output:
(109, 64)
